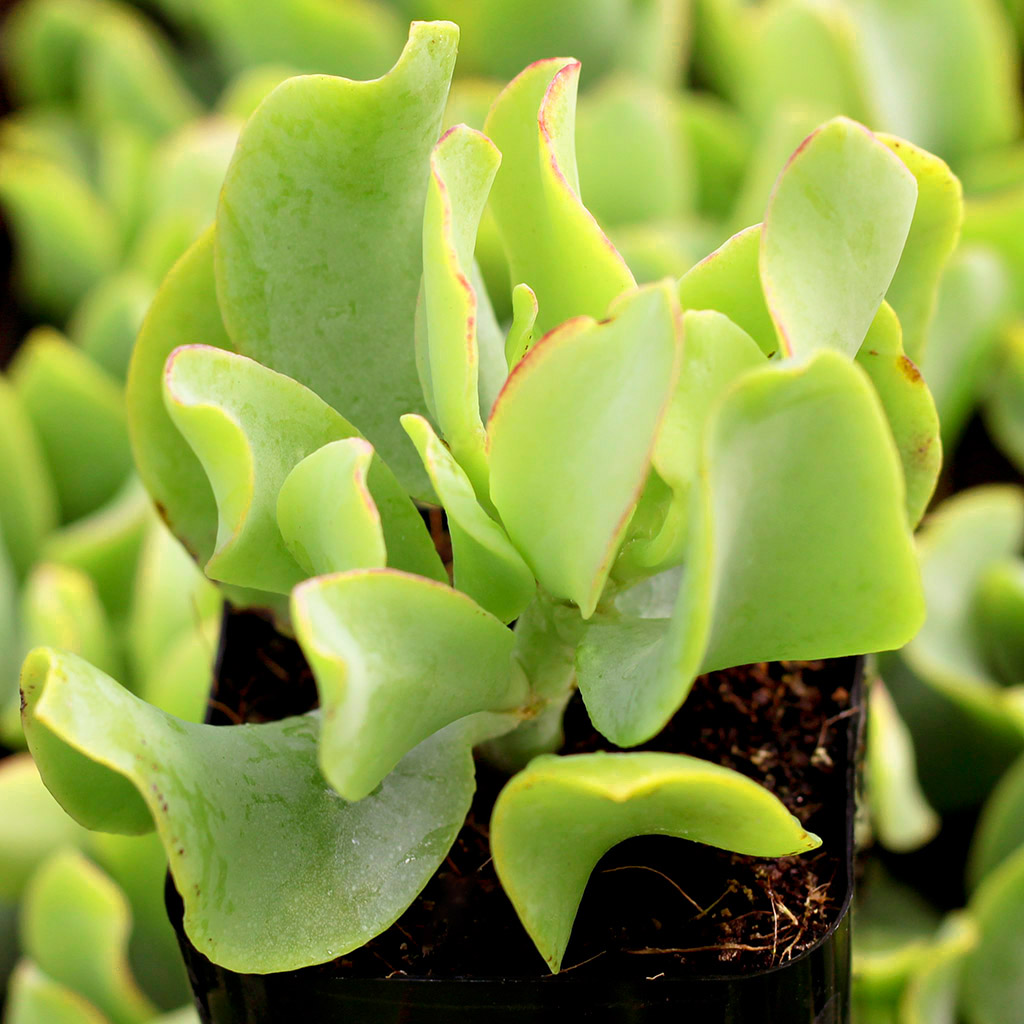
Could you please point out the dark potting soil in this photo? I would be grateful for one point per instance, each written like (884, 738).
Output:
(655, 905)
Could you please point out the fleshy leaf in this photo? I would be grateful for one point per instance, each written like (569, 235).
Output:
(34, 825)
(28, 511)
(78, 413)
(901, 816)
(462, 168)
(554, 821)
(396, 658)
(836, 574)
(75, 925)
(107, 321)
(833, 233)
(997, 615)
(553, 243)
(521, 333)
(485, 564)
(326, 172)
(932, 991)
(933, 235)
(728, 281)
(33, 998)
(275, 869)
(1000, 829)
(1004, 409)
(249, 426)
(993, 981)
(184, 312)
(571, 437)
(908, 406)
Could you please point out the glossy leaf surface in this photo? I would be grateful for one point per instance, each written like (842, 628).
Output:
(571, 436)
(325, 876)
(832, 237)
(396, 658)
(318, 236)
(553, 243)
(554, 821)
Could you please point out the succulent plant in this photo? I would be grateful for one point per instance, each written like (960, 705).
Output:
(649, 482)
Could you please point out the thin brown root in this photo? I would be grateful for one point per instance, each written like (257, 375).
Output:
(675, 885)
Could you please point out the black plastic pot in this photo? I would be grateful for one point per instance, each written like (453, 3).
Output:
(812, 988)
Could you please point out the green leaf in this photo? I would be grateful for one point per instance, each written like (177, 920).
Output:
(376, 514)
(326, 172)
(64, 236)
(932, 991)
(521, 332)
(798, 548)
(462, 168)
(486, 565)
(909, 407)
(249, 426)
(998, 221)
(75, 925)
(719, 147)
(998, 618)
(29, 511)
(1000, 830)
(552, 242)
(900, 814)
(832, 237)
(571, 437)
(78, 412)
(276, 870)
(108, 319)
(993, 981)
(60, 607)
(933, 235)
(34, 825)
(729, 281)
(396, 658)
(33, 998)
(554, 821)
(184, 311)
(1004, 408)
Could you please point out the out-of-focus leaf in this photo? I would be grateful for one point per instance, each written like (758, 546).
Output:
(396, 658)
(718, 145)
(998, 221)
(65, 238)
(932, 991)
(78, 412)
(184, 312)
(107, 322)
(486, 565)
(901, 816)
(554, 821)
(833, 233)
(1004, 408)
(1000, 830)
(328, 171)
(75, 924)
(33, 998)
(275, 869)
(34, 825)
(28, 508)
(998, 619)
(835, 573)
(250, 87)
(552, 241)
(571, 438)
(909, 407)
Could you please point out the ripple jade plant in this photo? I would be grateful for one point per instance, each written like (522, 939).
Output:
(647, 483)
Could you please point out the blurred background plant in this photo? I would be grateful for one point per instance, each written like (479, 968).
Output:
(122, 120)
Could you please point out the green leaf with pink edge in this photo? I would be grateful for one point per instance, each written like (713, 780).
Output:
(571, 437)
(552, 242)
(554, 821)
(1004, 404)
(485, 564)
(325, 875)
(184, 312)
(715, 353)
(462, 168)
(379, 640)
(835, 572)
(345, 508)
(832, 237)
(909, 407)
(729, 281)
(34, 998)
(326, 172)
(75, 924)
(29, 511)
(934, 233)
(77, 410)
